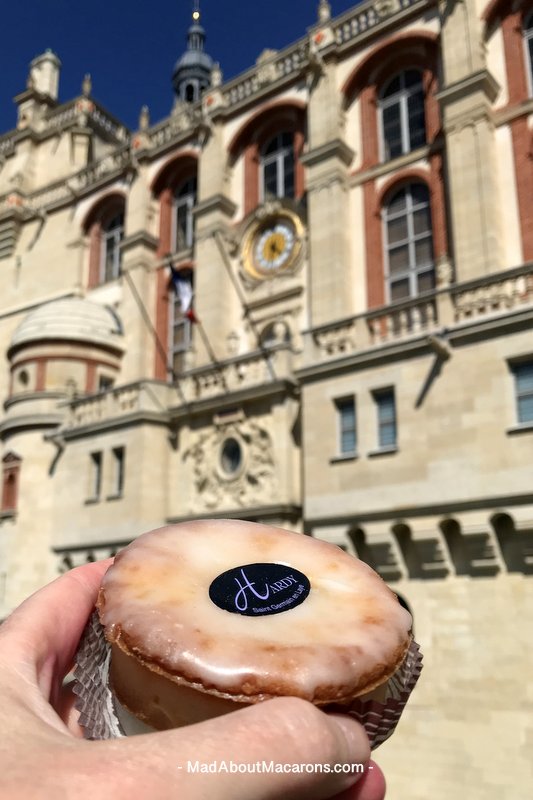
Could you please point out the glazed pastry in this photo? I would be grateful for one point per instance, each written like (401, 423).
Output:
(207, 616)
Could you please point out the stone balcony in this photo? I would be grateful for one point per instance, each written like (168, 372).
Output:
(493, 299)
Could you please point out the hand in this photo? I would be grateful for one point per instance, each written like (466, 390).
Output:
(43, 756)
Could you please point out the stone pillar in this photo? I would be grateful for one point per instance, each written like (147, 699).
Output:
(466, 98)
(326, 161)
(139, 285)
(216, 302)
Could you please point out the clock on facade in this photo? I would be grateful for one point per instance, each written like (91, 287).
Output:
(272, 245)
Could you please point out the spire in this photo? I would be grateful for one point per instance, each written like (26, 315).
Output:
(192, 72)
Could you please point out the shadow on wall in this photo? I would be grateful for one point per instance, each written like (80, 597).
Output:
(450, 551)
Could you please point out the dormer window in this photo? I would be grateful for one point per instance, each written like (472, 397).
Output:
(277, 167)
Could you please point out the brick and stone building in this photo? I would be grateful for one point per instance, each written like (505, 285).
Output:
(352, 219)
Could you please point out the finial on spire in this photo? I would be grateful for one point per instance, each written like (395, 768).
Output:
(87, 85)
(324, 11)
(144, 119)
(196, 11)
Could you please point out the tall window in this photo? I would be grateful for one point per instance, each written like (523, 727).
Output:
(523, 375)
(346, 427)
(409, 242)
(180, 322)
(95, 476)
(386, 418)
(528, 45)
(112, 235)
(184, 202)
(277, 167)
(11, 464)
(401, 105)
(118, 471)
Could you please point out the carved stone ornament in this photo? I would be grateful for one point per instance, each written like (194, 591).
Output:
(233, 467)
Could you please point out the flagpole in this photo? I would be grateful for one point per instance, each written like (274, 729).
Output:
(242, 300)
(159, 345)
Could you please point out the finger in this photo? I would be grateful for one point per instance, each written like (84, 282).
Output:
(45, 630)
(271, 747)
(371, 786)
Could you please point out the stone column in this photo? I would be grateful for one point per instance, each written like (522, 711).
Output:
(466, 98)
(326, 161)
(216, 302)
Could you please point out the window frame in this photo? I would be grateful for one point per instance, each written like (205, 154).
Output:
(119, 472)
(341, 403)
(414, 271)
(277, 157)
(96, 466)
(175, 320)
(115, 235)
(518, 395)
(187, 200)
(378, 396)
(402, 98)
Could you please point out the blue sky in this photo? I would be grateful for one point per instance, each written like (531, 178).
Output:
(130, 47)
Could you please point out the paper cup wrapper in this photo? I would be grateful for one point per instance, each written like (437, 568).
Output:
(102, 717)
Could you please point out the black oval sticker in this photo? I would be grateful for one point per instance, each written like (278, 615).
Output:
(258, 590)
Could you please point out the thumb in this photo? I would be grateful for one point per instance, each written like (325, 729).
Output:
(279, 748)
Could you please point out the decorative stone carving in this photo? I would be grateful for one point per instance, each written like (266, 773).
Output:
(252, 482)
(87, 85)
(266, 72)
(324, 11)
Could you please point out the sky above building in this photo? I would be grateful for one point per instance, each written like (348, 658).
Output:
(130, 46)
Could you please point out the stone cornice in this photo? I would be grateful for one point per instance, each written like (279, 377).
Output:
(336, 148)
(254, 512)
(218, 202)
(139, 239)
(482, 81)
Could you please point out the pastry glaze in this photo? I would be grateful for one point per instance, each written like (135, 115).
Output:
(172, 645)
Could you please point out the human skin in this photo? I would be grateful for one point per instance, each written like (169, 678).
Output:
(43, 754)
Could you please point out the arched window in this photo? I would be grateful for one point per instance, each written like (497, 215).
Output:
(277, 167)
(190, 94)
(112, 235)
(184, 202)
(401, 105)
(105, 227)
(409, 242)
(180, 319)
(528, 46)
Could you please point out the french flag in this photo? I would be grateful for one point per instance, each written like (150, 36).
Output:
(183, 288)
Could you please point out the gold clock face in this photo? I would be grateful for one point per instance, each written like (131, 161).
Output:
(272, 246)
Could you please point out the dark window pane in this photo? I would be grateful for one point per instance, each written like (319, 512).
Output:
(525, 408)
(392, 131)
(286, 139)
(397, 229)
(412, 77)
(524, 377)
(288, 166)
(387, 435)
(271, 179)
(399, 259)
(397, 202)
(399, 290)
(421, 221)
(426, 281)
(346, 411)
(392, 87)
(423, 251)
(419, 193)
(272, 146)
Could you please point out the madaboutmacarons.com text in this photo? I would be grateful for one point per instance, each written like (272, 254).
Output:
(271, 767)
